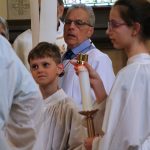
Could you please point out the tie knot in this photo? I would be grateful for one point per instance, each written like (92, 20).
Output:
(69, 54)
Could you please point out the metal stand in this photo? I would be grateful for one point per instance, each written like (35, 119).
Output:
(89, 121)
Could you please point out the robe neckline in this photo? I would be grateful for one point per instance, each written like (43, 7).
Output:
(59, 95)
(137, 58)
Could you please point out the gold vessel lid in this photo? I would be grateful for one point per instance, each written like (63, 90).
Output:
(81, 58)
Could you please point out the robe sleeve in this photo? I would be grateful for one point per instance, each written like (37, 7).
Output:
(20, 101)
(77, 132)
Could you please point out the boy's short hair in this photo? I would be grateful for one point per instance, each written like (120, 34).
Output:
(45, 49)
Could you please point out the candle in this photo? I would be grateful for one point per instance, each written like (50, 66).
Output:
(48, 21)
(84, 83)
(43, 25)
(35, 22)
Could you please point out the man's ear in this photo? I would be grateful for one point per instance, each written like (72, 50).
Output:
(60, 69)
(90, 32)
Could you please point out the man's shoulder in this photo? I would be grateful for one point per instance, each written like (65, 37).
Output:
(25, 34)
(61, 26)
(60, 30)
(96, 53)
(24, 39)
(5, 52)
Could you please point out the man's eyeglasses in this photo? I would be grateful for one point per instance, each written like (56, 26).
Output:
(113, 24)
(78, 23)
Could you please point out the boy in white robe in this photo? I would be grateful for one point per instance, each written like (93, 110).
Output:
(61, 128)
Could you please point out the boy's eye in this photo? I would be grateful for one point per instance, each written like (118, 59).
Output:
(34, 67)
(46, 65)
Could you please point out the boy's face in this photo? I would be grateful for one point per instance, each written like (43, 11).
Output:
(44, 70)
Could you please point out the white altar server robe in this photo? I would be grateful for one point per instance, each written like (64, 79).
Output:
(127, 117)
(62, 126)
(20, 100)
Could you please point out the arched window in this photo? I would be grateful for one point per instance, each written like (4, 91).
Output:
(90, 2)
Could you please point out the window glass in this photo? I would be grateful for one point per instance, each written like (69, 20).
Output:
(89, 2)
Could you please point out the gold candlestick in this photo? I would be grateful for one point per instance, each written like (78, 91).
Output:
(89, 121)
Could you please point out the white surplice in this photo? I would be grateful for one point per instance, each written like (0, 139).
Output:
(20, 101)
(62, 126)
(23, 43)
(127, 121)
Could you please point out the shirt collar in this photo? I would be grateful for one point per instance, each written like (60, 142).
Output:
(56, 97)
(82, 48)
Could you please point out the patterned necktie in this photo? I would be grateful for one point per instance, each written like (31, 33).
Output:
(69, 55)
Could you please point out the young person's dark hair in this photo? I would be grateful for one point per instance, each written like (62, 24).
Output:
(132, 12)
(45, 49)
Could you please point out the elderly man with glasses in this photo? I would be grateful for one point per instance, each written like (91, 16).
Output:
(78, 29)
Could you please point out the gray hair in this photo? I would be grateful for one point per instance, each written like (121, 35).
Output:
(87, 9)
(3, 22)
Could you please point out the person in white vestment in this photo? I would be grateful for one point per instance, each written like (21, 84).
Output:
(126, 123)
(23, 43)
(62, 125)
(4, 28)
(78, 29)
(20, 102)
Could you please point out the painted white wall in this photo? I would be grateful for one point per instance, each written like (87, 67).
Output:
(13, 13)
